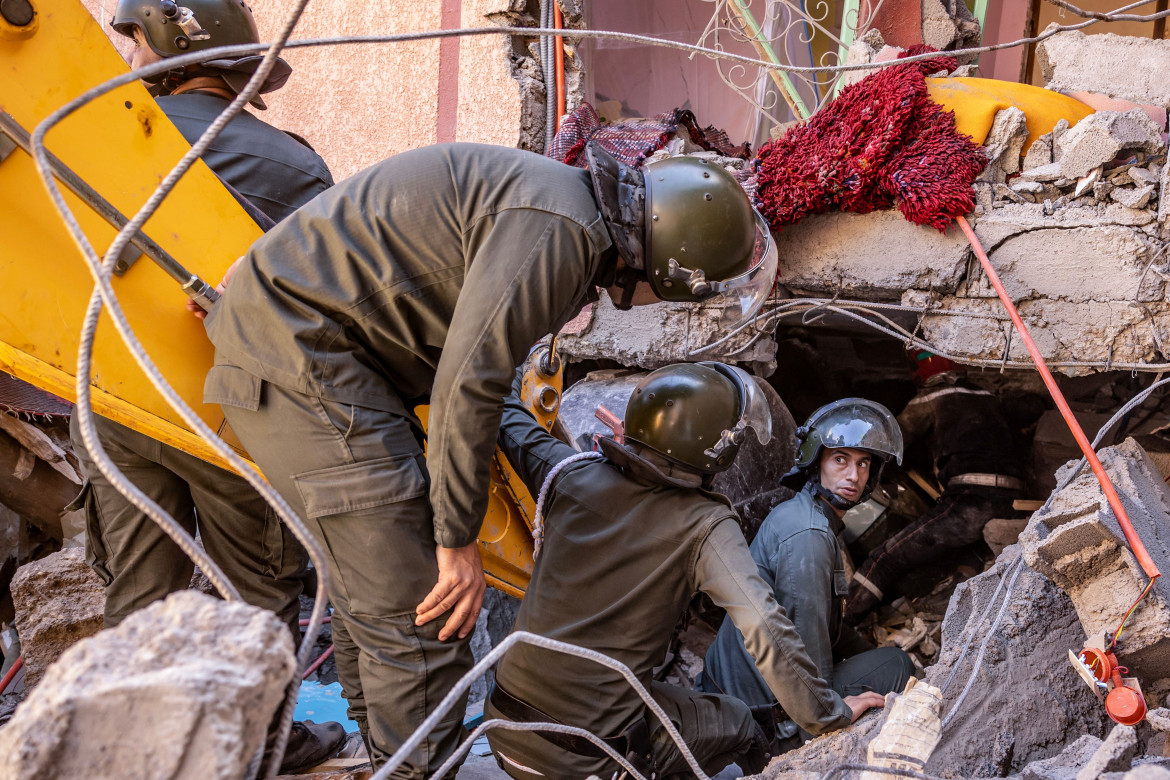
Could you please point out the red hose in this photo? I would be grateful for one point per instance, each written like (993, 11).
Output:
(317, 664)
(1135, 543)
(4, 683)
(305, 621)
(559, 23)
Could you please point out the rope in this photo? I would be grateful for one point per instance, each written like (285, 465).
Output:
(538, 517)
(525, 637)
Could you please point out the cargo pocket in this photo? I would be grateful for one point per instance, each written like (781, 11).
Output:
(376, 522)
(96, 554)
(229, 385)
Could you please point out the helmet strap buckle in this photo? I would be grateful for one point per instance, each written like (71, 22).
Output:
(729, 438)
(185, 19)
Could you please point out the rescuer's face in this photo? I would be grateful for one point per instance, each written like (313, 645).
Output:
(845, 472)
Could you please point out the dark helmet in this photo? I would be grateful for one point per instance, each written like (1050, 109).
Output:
(696, 415)
(851, 423)
(684, 225)
(174, 27)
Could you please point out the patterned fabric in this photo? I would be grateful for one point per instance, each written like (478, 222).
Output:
(881, 141)
(24, 400)
(632, 141)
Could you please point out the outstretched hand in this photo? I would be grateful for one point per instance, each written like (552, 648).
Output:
(864, 701)
(459, 589)
(198, 310)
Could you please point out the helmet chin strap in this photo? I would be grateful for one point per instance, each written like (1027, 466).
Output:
(832, 498)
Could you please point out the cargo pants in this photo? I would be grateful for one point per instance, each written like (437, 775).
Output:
(717, 729)
(140, 564)
(358, 479)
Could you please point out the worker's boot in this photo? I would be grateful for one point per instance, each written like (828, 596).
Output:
(309, 744)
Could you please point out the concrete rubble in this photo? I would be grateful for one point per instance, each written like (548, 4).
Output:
(1115, 65)
(59, 601)
(184, 688)
(1077, 543)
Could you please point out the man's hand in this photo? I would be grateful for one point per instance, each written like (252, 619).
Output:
(198, 310)
(460, 589)
(864, 701)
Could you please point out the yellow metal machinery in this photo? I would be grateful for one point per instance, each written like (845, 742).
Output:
(977, 101)
(121, 145)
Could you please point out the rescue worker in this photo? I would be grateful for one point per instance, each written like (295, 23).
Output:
(798, 552)
(976, 459)
(275, 172)
(628, 539)
(428, 277)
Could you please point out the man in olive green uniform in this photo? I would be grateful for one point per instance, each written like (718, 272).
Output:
(628, 539)
(352, 311)
(798, 553)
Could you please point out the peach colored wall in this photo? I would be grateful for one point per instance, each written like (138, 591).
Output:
(360, 103)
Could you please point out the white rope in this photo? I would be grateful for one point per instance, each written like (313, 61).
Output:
(538, 518)
(525, 637)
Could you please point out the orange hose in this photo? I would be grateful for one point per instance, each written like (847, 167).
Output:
(559, 23)
(12, 670)
(1135, 543)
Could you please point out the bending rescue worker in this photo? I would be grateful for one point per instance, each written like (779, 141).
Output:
(353, 310)
(628, 540)
(798, 553)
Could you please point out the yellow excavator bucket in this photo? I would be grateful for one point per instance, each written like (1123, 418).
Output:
(121, 145)
(977, 101)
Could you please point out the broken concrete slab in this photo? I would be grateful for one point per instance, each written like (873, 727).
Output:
(59, 601)
(1067, 763)
(1100, 137)
(1119, 66)
(874, 256)
(1045, 705)
(664, 333)
(181, 690)
(1132, 197)
(1114, 755)
(1076, 541)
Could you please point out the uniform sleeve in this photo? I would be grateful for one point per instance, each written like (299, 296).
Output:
(526, 275)
(803, 587)
(531, 450)
(915, 419)
(726, 572)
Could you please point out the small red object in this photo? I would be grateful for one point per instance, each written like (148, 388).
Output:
(611, 421)
(1124, 703)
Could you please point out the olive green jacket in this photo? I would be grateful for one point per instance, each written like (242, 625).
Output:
(358, 297)
(620, 562)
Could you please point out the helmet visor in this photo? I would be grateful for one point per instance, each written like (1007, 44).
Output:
(756, 413)
(742, 296)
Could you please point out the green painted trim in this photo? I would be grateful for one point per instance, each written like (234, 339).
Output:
(848, 35)
(765, 47)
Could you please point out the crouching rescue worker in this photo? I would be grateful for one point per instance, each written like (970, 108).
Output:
(797, 551)
(628, 540)
(976, 459)
(275, 172)
(427, 278)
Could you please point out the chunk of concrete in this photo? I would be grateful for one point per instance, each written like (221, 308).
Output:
(1119, 66)
(1005, 144)
(873, 256)
(1099, 137)
(664, 333)
(59, 601)
(1002, 532)
(1133, 197)
(1164, 197)
(1077, 542)
(1067, 763)
(181, 690)
(1114, 755)
(1147, 771)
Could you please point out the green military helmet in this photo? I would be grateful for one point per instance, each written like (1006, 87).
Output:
(696, 415)
(703, 238)
(852, 423)
(174, 27)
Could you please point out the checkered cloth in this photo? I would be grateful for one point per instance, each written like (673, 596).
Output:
(881, 141)
(633, 140)
(19, 398)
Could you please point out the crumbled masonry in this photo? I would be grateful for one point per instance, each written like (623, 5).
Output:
(205, 678)
(59, 601)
